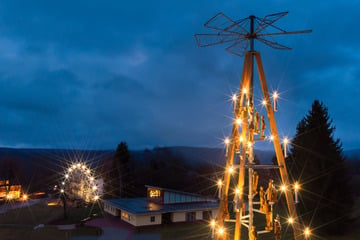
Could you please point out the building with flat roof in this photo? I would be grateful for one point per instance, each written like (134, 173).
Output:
(162, 205)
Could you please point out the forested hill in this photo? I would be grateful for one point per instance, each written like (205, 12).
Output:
(42, 167)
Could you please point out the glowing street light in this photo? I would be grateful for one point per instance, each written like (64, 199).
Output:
(25, 197)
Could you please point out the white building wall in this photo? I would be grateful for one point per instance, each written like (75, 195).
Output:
(178, 217)
(130, 219)
(145, 220)
(111, 210)
(199, 215)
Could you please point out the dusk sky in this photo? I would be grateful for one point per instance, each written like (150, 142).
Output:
(89, 74)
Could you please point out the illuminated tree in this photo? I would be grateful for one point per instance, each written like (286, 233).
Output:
(317, 163)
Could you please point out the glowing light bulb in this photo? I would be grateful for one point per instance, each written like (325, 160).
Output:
(271, 138)
(74, 166)
(234, 97)
(227, 141)
(244, 90)
(275, 97)
(70, 169)
(283, 188)
(91, 179)
(94, 187)
(285, 141)
(241, 139)
(96, 197)
(66, 175)
(221, 231)
(307, 232)
(88, 171)
(63, 183)
(212, 223)
(78, 165)
(264, 102)
(238, 121)
(83, 166)
(62, 190)
(231, 169)
(25, 197)
(297, 188)
(290, 220)
(237, 191)
(219, 182)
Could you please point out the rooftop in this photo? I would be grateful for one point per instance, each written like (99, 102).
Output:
(143, 206)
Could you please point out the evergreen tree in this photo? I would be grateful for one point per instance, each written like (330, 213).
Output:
(317, 163)
(120, 181)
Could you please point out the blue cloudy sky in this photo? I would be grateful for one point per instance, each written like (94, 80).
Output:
(88, 74)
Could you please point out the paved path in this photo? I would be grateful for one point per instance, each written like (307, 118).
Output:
(114, 229)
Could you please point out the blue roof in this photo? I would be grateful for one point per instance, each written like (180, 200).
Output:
(143, 206)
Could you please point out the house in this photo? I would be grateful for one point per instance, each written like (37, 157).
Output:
(9, 191)
(162, 205)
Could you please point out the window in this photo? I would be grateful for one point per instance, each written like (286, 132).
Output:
(154, 193)
(125, 216)
(152, 219)
(190, 217)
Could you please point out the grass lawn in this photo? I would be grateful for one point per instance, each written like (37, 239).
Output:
(43, 214)
(19, 223)
(22, 232)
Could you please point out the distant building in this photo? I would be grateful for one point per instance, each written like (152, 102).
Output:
(161, 206)
(9, 191)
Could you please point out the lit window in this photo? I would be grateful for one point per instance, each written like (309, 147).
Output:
(125, 216)
(154, 193)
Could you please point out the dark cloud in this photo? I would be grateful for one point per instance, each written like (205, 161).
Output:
(92, 73)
